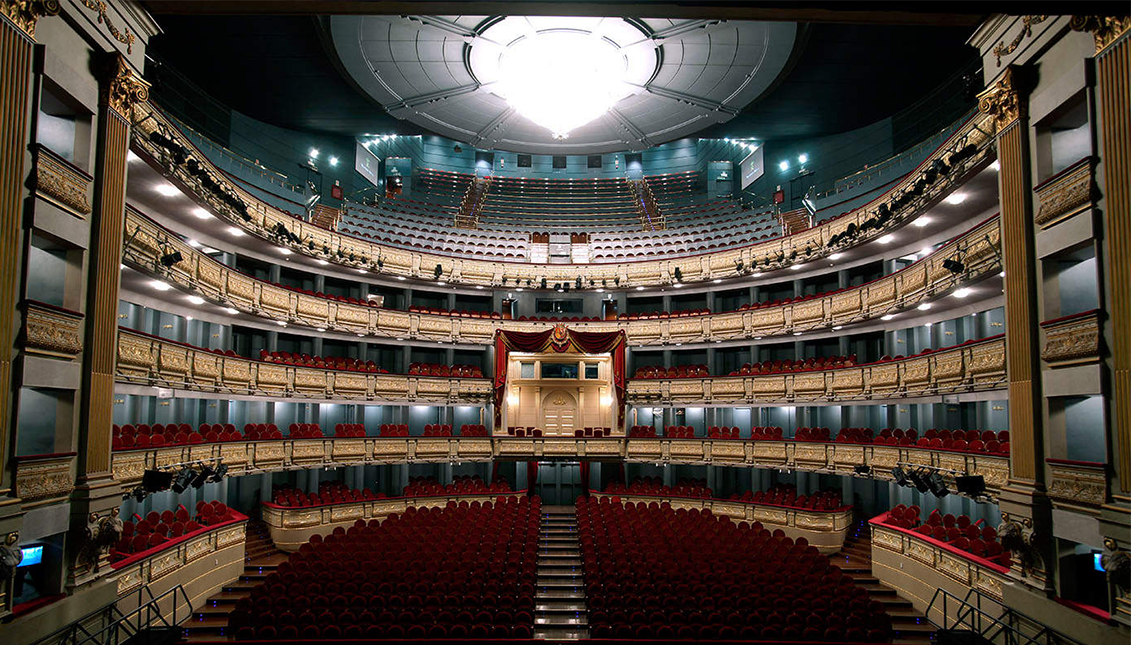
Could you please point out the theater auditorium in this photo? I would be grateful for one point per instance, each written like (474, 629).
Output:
(437, 321)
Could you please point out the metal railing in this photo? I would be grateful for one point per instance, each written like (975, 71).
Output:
(1011, 627)
(118, 627)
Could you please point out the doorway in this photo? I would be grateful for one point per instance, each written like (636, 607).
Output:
(559, 482)
(559, 414)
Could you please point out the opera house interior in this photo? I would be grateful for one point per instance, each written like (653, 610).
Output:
(378, 321)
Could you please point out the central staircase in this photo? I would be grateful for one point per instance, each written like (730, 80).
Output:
(210, 621)
(560, 611)
(855, 559)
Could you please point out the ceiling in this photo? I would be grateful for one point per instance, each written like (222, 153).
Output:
(286, 72)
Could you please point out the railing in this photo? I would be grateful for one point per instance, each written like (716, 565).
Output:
(117, 627)
(651, 217)
(472, 203)
(1011, 628)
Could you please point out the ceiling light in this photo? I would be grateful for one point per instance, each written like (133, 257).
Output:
(479, 287)
(320, 329)
(600, 290)
(784, 165)
(887, 317)
(201, 213)
(757, 338)
(168, 190)
(314, 153)
(838, 328)
(518, 289)
(922, 221)
(679, 344)
(285, 251)
(962, 293)
(995, 166)
(333, 161)
(194, 244)
(196, 300)
(1001, 275)
(796, 333)
(361, 335)
(887, 239)
(836, 256)
(717, 280)
(324, 263)
(756, 274)
(363, 270)
(796, 267)
(160, 286)
(131, 157)
(188, 318)
(234, 232)
(640, 288)
(562, 79)
(231, 311)
(677, 285)
(281, 323)
(441, 283)
(923, 307)
(400, 277)
(956, 198)
(803, 158)
(925, 251)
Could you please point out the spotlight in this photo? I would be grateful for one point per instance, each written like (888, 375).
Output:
(899, 476)
(138, 494)
(543, 283)
(169, 259)
(565, 286)
(183, 479)
(203, 476)
(972, 485)
(221, 471)
(954, 266)
(438, 271)
(156, 480)
(919, 479)
(937, 485)
(678, 275)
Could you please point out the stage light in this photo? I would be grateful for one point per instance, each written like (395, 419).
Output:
(220, 472)
(972, 485)
(154, 481)
(954, 266)
(438, 271)
(543, 283)
(206, 473)
(899, 476)
(169, 259)
(183, 479)
(919, 479)
(937, 485)
(862, 470)
(678, 275)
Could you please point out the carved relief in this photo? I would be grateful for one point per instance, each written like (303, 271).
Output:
(1072, 341)
(1070, 193)
(123, 88)
(1105, 29)
(61, 182)
(25, 13)
(1077, 485)
(51, 332)
(44, 479)
(1001, 101)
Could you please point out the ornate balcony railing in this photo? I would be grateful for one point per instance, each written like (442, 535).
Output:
(157, 137)
(52, 331)
(291, 527)
(44, 479)
(154, 361)
(245, 457)
(1072, 340)
(147, 242)
(1067, 193)
(824, 530)
(61, 182)
(973, 366)
(1077, 485)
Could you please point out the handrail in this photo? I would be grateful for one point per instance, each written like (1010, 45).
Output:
(131, 623)
(970, 615)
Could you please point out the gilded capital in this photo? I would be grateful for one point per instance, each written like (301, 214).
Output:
(1002, 101)
(1105, 29)
(123, 89)
(25, 13)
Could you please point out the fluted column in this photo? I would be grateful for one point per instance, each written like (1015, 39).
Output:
(1023, 500)
(96, 492)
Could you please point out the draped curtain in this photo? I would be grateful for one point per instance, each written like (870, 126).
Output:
(560, 340)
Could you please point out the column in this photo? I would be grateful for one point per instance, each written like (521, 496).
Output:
(96, 492)
(1023, 500)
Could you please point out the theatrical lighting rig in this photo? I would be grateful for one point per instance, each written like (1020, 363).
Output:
(178, 478)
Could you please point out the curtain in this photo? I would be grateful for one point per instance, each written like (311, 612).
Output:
(495, 467)
(531, 477)
(585, 478)
(560, 340)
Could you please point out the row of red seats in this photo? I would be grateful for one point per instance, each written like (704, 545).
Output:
(675, 371)
(641, 431)
(766, 433)
(461, 485)
(652, 572)
(331, 492)
(976, 538)
(460, 313)
(679, 432)
(393, 430)
(463, 571)
(827, 499)
(592, 432)
(926, 352)
(349, 430)
(157, 528)
(685, 487)
(473, 430)
(433, 369)
(524, 432)
(143, 435)
(437, 430)
(305, 431)
(322, 362)
(716, 432)
(655, 315)
(779, 366)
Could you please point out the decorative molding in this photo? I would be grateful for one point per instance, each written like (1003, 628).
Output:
(1001, 101)
(52, 332)
(1066, 194)
(1027, 23)
(1077, 484)
(59, 182)
(1073, 340)
(48, 478)
(24, 14)
(126, 38)
(122, 88)
(1105, 29)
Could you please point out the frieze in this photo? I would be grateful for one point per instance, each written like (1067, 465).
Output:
(1072, 341)
(52, 333)
(61, 183)
(1078, 485)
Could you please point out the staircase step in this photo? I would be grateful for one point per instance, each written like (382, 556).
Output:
(560, 560)
(561, 621)
(560, 606)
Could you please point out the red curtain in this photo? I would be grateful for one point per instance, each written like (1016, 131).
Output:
(560, 340)
(585, 478)
(531, 477)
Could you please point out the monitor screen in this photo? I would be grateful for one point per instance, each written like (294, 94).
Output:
(32, 555)
(367, 165)
(1097, 561)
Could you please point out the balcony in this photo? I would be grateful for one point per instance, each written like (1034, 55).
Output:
(1072, 340)
(1077, 485)
(52, 331)
(61, 183)
(1067, 193)
(44, 479)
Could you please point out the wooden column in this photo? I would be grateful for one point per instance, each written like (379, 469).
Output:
(96, 492)
(1006, 105)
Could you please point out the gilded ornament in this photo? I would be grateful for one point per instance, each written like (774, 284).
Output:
(60, 183)
(126, 38)
(1002, 101)
(1105, 29)
(123, 88)
(1027, 23)
(25, 13)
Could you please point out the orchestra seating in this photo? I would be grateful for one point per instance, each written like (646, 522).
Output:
(655, 573)
(157, 528)
(974, 537)
(466, 571)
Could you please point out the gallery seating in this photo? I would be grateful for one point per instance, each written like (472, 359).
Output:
(974, 537)
(157, 528)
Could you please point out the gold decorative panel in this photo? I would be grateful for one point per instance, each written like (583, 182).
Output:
(53, 332)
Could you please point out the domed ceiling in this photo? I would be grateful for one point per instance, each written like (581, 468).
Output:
(551, 85)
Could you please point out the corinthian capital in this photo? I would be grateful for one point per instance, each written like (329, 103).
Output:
(122, 88)
(1002, 100)
(25, 13)
(1105, 29)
